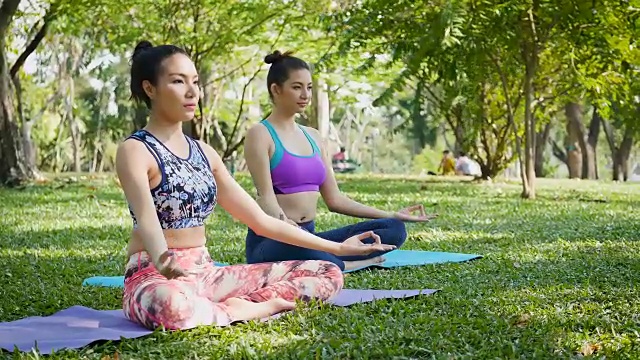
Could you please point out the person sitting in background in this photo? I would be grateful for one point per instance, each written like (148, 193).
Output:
(463, 164)
(447, 164)
(291, 169)
(340, 156)
(340, 162)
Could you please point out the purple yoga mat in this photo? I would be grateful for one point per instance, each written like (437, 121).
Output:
(79, 326)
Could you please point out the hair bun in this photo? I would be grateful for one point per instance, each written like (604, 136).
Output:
(273, 57)
(277, 56)
(142, 46)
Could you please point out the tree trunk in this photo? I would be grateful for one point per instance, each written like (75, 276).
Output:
(621, 162)
(418, 120)
(528, 183)
(542, 138)
(585, 141)
(619, 154)
(14, 168)
(462, 144)
(30, 148)
(320, 118)
(592, 139)
(572, 147)
(74, 129)
(530, 52)
(27, 124)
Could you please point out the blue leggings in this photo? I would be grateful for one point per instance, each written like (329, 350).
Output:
(260, 249)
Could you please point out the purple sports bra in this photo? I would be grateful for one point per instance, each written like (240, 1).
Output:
(291, 173)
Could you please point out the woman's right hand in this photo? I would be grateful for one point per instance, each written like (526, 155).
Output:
(169, 267)
(354, 246)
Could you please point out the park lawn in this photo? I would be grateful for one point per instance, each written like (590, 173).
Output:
(558, 277)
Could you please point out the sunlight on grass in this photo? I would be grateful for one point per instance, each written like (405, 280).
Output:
(558, 273)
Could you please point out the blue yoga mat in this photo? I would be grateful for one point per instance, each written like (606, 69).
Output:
(115, 281)
(396, 258)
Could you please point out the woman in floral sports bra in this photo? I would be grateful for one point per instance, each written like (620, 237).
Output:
(291, 171)
(172, 184)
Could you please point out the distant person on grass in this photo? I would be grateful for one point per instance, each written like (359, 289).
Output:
(341, 155)
(172, 184)
(463, 164)
(291, 169)
(447, 164)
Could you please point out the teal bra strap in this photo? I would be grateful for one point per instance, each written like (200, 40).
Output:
(316, 150)
(279, 151)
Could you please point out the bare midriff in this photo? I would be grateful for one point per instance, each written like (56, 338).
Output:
(299, 207)
(176, 239)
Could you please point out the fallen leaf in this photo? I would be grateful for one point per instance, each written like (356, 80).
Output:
(115, 356)
(589, 349)
(523, 320)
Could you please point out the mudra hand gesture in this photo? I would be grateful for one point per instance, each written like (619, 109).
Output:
(169, 267)
(354, 245)
(406, 214)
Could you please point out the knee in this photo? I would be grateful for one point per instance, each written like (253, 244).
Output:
(398, 231)
(333, 274)
(330, 264)
(333, 263)
(165, 306)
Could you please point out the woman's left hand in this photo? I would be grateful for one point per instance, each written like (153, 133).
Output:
(406, 214)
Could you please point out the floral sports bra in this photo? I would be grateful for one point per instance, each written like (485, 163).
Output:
(187, 193)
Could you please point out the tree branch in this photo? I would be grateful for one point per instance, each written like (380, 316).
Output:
(608, 131)
(594, 128)
(8, 9)
(505, 88)
(240, 111)
(436, 98)
(557, 151)
(233, 148)
(33, 44)
(252, 58)
(248, 29)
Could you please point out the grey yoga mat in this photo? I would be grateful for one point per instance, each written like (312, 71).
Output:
(79, 326)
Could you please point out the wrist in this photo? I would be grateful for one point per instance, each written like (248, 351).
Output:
(163, 260)
(335, 248)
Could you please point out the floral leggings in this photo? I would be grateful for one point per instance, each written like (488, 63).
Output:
(153, 300)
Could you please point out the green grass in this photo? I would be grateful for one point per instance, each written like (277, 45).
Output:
(558, 273)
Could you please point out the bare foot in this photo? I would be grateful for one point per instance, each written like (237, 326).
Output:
(350, 265)
(241, 310)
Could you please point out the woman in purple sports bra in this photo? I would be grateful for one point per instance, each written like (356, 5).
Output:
(291, 170)
(172, 184)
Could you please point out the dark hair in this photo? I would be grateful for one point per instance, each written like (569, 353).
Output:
(343, 149)
(146, 65)
(462, 153)
(446, 152)
(281, 66)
